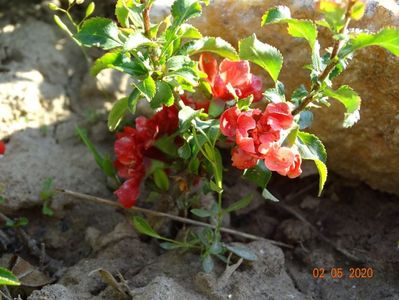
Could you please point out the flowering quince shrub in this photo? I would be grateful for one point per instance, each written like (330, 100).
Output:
(203, 96)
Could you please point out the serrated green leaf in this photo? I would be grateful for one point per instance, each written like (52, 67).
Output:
(276, 14)
(213, 45)
(161, 179)
(350, 99)
(240, 204)
(183, 10)
(260, 175)
(133, 99)
(303, 29)
(387, 38)
(297, 28)
(177, 62)
(188, 31)
(8, 278)
(99, 32)
(264, 55)
(163, 95)
(142, 226)
(311, 148)
(242, 251)
(117, 112)
(185, 74)
(202, 213)
(147, 87)
(137, 40)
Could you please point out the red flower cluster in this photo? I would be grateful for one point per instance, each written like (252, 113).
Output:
(257, 134)
(231, 77)
(133, 145)
(2, 148)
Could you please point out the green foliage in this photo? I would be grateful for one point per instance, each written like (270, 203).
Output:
(387, 38)
(213, 45)
(350, 99)
(46, 194)
(240, 204)
(8, 278)
(297, 28)
(259, 174)
(311, 148)
(264, 55)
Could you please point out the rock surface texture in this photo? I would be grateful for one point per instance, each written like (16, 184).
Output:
(368, 151)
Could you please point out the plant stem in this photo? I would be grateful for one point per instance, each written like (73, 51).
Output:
(146, 18)
(98, 200)
(333, 63)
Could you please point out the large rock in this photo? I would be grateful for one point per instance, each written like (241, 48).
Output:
(368, 151)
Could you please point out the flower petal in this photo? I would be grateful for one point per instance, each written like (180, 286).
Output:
(209, 65)
(242, 160)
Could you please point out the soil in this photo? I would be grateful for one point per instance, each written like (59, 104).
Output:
(87, 243)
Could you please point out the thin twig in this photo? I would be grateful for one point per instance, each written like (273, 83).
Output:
(322, 236)
(172, 217)
(146, 18)
(333, 63)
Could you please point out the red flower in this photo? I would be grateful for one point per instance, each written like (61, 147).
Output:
(241, 159)
(231, 76)
(283, 160)
(228, 121)
(279, 116)
(257, 134)
(134, 144)
(129, 191)
(2, 148)
(195, 104)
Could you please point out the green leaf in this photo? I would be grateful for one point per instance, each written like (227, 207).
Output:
(46, 210)
(242, 251)
(269, 196)
(117, 112)
(358, 10)
(214, 45)
(120, 62)
(305, 119)
(259, 174)
(264, 55)
(183, 10)
(133, 99)
(161, 179)
(99, 32)
(129, 10)
(177, 62)
(184, 151)
(242, 203)
(142, 226)
(350, 99)
(303, 29)
(216, 108)
(207, 264)
(244, 104)
(186, 115)
(163, 95)
(8, 278)
(188, 31)
(202, 213)
(311, 148)
(186, 74)
(137, 40)
(90, 9)
(297, 28)
(147, 87)
(387, 38)
(104, 163)
(169, 245)
(275, 15)
(167, 145)
(47, 191)
(214, 187)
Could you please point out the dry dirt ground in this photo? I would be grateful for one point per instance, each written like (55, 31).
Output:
(45, 92)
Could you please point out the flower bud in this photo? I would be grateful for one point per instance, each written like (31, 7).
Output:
(52, 6)
(80, 2)
(90, 9)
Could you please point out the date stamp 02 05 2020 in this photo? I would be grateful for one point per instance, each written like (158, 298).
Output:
(343, 273)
